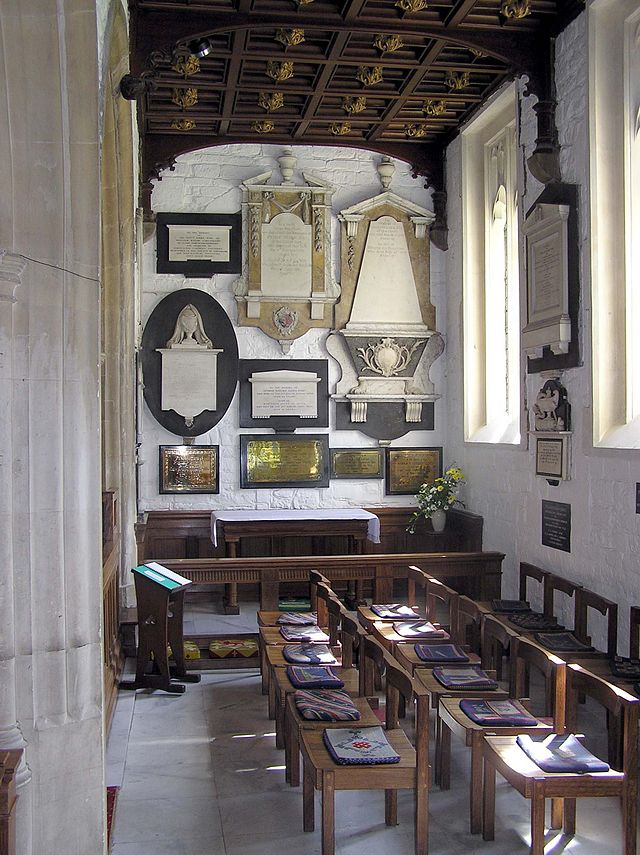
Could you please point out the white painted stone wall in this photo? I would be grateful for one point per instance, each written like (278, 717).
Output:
(502, 486)
(208, 181)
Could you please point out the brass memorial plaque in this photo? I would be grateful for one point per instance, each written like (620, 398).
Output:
(408, 468)
(356, 463)
(267, 461)
(189, 469)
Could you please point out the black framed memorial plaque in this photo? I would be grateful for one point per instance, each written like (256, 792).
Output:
(284, 394)
(357, 463)
(551, 457)
(406, 469)
(284, 461)
(199, 245)
(556, 525)
(189, 469)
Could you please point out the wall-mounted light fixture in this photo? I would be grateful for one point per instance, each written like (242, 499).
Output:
(200, 47)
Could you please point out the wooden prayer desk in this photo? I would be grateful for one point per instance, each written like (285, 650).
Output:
(356, 524)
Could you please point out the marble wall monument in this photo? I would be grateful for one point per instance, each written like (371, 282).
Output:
(286, 286)
(385, 339)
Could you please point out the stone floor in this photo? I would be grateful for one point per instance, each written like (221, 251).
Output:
(200, 775)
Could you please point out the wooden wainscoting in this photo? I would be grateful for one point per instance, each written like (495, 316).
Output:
(113, 659)
(187, 534)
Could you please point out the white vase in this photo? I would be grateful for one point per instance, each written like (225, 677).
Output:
(438, 520)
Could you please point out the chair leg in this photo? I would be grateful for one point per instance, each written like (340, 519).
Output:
(328, 814)
(391, 807)
(569, 826)
(308, 799)
(475, 784)
(630, 820)
(489, 802)
(264, 669)
(557, 812)
(422, 820)
(438, 750)
(537, 819)
(445, 757)
(279, 710)
(272, 697)
(286, 726)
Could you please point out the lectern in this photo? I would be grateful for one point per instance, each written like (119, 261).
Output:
(160, 596)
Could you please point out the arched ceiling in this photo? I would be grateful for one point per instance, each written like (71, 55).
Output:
(395, 76)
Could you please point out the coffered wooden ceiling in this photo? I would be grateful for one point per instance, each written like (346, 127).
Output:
(395, 76)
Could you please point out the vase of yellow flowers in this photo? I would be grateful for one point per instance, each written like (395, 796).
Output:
(435, 498)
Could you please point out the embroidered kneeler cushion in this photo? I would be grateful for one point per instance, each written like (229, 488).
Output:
(325, 705)
(359, 745)
(440, 653)
(625, 667)
(561, 641)
(233, 648)
(420, 629)
(303, 633)
(309, 654)
(536, 621)
(394, 610)
(297, 619)
(505, 713)
(472, 677)
(561, 753)
(313, 677)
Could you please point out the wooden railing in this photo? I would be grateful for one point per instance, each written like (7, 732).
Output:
(477, 574)
(9, 762)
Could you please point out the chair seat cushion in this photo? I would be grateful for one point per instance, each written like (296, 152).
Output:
(325, 705)
(622, 666)
(505, 713)
(561, 641)
(359, 745)
(308, 654)
(297, 619)
(303, 633)
(394, 610)
(419, 629)
(561, 753)
(536, 621)
(440, 653)
(472, 677)
(313, 677)
(507, 607)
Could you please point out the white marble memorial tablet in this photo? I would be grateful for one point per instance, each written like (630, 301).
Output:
(286, 257)
(198, 243)
(189, 380)
(284, 393)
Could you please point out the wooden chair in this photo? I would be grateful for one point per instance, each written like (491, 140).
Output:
(412, 772)
(502, 754)
(358, 683)
(527, 572)
(453, 719)
(469, 622)
(497, 642)
(585, 602)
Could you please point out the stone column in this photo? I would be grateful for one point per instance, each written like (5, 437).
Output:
(11, 269)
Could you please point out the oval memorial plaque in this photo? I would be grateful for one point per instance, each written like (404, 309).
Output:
(190, 373)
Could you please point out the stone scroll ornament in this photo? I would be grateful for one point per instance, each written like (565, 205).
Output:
(189, 359)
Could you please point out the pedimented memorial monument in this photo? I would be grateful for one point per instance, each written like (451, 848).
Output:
(286, 287)
(385, 339)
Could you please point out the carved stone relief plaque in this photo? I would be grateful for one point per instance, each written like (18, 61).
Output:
(286, 286)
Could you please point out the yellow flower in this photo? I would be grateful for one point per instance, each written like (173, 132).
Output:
(440, 488)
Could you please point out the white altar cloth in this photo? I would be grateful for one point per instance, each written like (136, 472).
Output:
(328, 514)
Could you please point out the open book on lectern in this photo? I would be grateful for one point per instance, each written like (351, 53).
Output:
(162, 575)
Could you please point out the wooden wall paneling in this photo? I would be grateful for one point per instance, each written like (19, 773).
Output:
(113, 656)
(9, 762)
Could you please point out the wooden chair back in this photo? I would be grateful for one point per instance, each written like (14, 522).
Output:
(324, 595)
(335, 610)
(622, 717)
(496, 642)
(469, 623)
(586, 600)
(527, 655)
(352, 635)
(316, 578)
(417, 581)
(439, 593)
(554, 583)
(527, 572)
